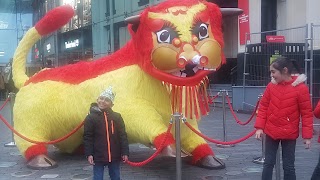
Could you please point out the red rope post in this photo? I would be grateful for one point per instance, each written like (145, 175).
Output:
(211, 99)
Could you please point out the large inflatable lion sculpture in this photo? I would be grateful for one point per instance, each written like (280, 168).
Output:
(161, 70)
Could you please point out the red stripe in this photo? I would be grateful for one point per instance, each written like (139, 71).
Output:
(180, 95)
(186, 103)
(112, 128)
(108, 137)
(195, 102)
(191, 102)
(173, 98)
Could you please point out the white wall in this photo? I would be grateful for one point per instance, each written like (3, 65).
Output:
(313, 12)
(255, 15)
(291, 13)
(282, 14)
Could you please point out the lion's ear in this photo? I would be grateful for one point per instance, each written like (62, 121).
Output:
(231, 11)
(133, 28)
(133, 22)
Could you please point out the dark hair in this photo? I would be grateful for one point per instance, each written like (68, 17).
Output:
(49, 62)
(281, 62)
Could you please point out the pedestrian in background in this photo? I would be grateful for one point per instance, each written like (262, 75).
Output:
(316, 172)
(285, 99)
(105, 137)
(9, 84)
(49, 64)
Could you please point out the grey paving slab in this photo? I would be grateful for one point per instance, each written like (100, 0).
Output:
(238, 159)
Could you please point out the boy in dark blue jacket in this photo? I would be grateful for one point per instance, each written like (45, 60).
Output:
(105, 137)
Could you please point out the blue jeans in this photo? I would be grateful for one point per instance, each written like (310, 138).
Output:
(288, 158)
(114, 171)
(316, 172)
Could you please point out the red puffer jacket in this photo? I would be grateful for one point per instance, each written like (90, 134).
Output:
(316, 111)
(280, 109)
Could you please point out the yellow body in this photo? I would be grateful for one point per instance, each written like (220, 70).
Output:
(49, 110)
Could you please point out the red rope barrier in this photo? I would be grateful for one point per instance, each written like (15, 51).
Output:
(210, 100)
(37, 142)
(155, 153)
(220, 142)
(4, 104)
(235, 116)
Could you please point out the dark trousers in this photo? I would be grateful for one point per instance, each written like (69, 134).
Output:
(288, 158)
(114, 171)
(316, 172)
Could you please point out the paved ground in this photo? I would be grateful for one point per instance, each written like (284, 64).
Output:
(238, 159)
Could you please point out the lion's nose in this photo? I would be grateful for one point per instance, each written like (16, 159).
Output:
(187, 48)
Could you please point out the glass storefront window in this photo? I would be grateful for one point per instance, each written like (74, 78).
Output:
(87, 12)
(82, 15)
(15, 20)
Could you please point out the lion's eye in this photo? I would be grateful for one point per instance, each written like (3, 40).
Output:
(203, 31)
(166, 34)
(163, 36)
(200, 29)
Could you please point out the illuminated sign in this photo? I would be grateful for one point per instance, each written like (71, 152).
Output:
(71, 44)
(48, 47)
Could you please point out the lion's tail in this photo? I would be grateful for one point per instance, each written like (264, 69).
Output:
(51, 22)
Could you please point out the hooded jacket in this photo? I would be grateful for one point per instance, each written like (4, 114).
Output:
(281, 107)
(316, 111)
(105, 137)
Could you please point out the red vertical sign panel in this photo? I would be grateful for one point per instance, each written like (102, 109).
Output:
(244, 26)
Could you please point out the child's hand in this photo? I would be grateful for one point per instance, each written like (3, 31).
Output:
(124, 158)
(307, 143)
(90, 160)
(259, 133)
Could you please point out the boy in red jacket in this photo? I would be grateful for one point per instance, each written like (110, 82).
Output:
(285, 99)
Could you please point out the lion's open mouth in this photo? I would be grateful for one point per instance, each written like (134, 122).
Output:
(190, 70)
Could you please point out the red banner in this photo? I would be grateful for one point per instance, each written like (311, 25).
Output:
(244, 26)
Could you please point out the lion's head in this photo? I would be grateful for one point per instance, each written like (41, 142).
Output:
(180, 43)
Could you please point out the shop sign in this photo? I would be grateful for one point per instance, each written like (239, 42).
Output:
(71, 44)
(48, 48)
(276, 39)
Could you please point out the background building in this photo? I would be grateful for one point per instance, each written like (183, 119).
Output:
(73, 42)
(272, 28)
(15, 20)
